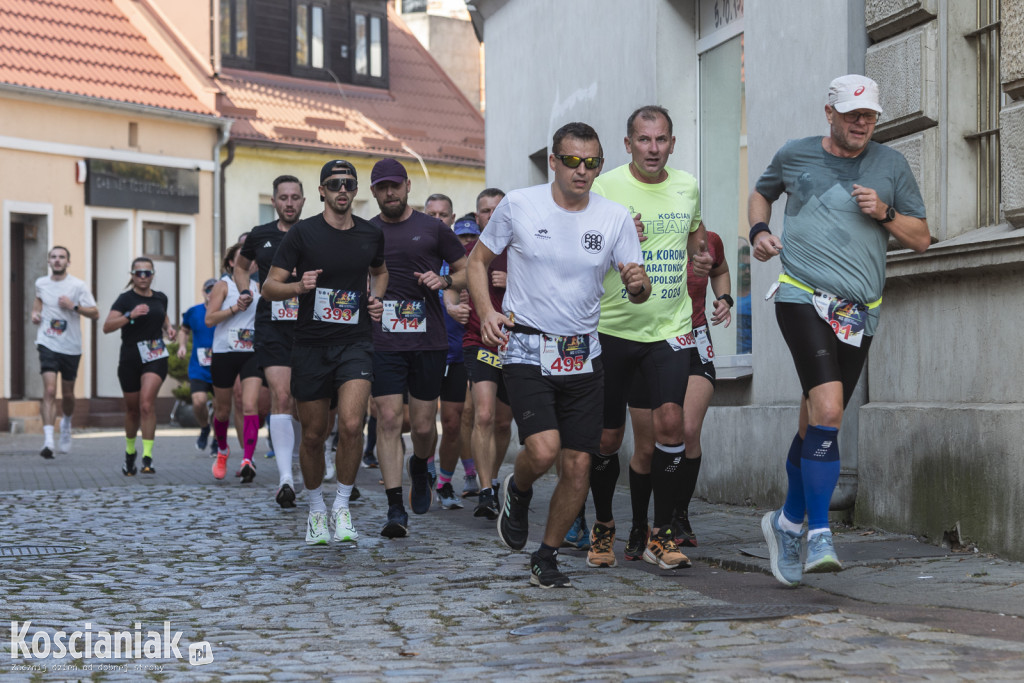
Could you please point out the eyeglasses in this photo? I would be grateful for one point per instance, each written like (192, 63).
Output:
(855, 116)
(142, 273)
(335, 184)
(574, 161)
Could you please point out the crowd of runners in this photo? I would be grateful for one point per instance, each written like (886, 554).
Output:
(564, 307)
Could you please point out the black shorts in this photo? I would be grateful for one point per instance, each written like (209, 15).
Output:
(640, 397)
(63, 363)
(453, 384)
(274, 344)
(131, 369)
(319, 371)
(419, 372)
(226, 367)
(480, 371)
(197, 385)
(663, 371)
(572, 404)
(818, 354)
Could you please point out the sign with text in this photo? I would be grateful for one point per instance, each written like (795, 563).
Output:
(139, 186)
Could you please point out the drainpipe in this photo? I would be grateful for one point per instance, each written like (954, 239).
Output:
(221, 205)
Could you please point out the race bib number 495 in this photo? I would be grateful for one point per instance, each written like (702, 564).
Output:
(404, 316)
(337, 306)
(562, 356)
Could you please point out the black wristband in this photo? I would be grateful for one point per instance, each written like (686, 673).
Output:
(642, 288)
(727, 299)
(448, 281)
(244, 292)
(756, 228)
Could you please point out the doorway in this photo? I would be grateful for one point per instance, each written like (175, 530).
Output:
(28, 263)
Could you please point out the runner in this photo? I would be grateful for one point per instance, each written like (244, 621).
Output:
(561, 241)
(199, 380)
(332, 355)
(61, 299)
(141, 315)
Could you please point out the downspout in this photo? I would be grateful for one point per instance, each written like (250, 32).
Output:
(218, 189)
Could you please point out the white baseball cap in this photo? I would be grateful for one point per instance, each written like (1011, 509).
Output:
(853, 91)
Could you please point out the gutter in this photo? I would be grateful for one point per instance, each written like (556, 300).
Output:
(222, 203)
(218, 189)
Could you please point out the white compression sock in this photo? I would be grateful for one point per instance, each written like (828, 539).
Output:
(282, 435)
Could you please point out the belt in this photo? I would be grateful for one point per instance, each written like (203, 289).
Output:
(786, 279)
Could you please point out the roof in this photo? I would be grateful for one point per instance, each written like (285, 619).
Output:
(422, 110)
(88, 48)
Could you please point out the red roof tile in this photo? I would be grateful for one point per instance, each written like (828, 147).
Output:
(422, 109)
(86, 47)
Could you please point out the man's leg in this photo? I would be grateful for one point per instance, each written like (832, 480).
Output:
(699, 391)
(640, 481)
(352, 396)
(49, 410)
(67, 400)
(202, 416)
(313, 417)
(282, 431)
(423, 428)
(482, 440)
(452, 440)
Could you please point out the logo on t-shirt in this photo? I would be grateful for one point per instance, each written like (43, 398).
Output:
(542, 234)
(593, 241)
(267, 244)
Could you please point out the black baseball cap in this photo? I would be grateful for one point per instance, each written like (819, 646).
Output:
(337, 166)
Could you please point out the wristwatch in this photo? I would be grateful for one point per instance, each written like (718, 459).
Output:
(890, 214)
(727, 299)
(448, 281)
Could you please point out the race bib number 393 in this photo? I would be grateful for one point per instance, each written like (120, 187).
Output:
(285, 310)
(404, 316)
(152, 349)
(337, 306)
(562, 356)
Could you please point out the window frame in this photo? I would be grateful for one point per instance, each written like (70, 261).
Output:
(370, 11)
(232, 58)
(308, 70)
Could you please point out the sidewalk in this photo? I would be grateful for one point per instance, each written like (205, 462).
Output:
(224, 564)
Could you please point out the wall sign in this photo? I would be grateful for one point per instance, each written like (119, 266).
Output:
(139, 186)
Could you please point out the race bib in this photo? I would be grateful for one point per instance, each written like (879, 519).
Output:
(338, 306)
(404, 316)
(682, 342)
(846, 318)
(241, 338)
(285, 310)
(56, 328)
(563, 356)
(489, 357)
(152, 349)
(204, 355)
(704, 348)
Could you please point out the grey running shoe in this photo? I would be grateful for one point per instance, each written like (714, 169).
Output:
(783, 549)
(821, 555)
(470, 488)
(447, 499)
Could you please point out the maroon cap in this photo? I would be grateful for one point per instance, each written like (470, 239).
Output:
(388, 170)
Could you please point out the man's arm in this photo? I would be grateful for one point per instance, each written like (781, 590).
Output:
(37, 311)
(491, 320)
(378, 286)
(697, 249)
(276, 288)
(90, 312)
(911, 232)
(720, 283)
(456, 271)
(636, 281)
(765, 245)
(241, 273)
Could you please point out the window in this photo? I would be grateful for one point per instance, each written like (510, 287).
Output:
(234, 31)
(985, 137)
(309, 34)
(369, 65)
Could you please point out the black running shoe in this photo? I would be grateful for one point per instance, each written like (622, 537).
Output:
(514, 518)
(486, 506)
(684, 534)
(247, 472)
(46, 453)
(637, 543)
(398, 522)
(355, 495)
(204, 438)
(285, 496)
(370, 460)
(544, 572)
(128, 468)
(419, 489)
(147, 466)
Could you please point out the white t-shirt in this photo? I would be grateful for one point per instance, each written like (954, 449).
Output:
(557, 259)
(61, 329)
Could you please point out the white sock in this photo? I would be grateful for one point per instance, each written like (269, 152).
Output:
(344, 493)
(791, 527)
(48, 436)
(811, 533)
(282, 434)
(297, 435)
(65, 423)
(316, 499)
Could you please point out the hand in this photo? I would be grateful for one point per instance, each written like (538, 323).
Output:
(375, 307)
(766, 246)
(243, 301)
(181, 350)
(459, 313)
(431, 279)
(308, 280)
(499, 278)
(66, 303)
(138, 311)
(632, 276)
(868, 201)
(722, 313)
(464, 296)
(702, 261)
(638, 224)
(36, 317)
(490, 329)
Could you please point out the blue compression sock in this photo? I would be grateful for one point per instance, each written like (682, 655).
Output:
(819, 467)
(795, 507)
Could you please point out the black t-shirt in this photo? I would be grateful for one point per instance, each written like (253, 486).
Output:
(416, 245)
(345, 257)
(260, 246)
(145, 327)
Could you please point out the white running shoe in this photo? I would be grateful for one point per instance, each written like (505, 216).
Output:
(343, 529)
(317, 532)
(329, 471)
(65, 436)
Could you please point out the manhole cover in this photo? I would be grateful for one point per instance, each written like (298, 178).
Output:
(538, 628)
(27, 550)
(727, 612)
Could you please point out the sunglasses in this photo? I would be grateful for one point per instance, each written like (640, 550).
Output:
(208, 289)
(855, 116)
(142, 273)
(335, 184)
(574, 161)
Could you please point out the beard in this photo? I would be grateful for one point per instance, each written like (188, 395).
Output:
(395, 211)
(336, 206)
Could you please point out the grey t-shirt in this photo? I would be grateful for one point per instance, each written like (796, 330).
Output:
(827, 242)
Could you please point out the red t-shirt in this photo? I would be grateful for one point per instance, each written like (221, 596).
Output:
(472, 336)
(698, 286)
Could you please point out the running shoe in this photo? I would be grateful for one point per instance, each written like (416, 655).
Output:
(317, 532)
(343, 529)
(419, 489)
(783, 550)
(220, 468)
(128, 468)
(544, 572)
(514, 518)
(447, 499)
(637, 543)
(398, 522)
(213, 448)
(64, 444)
(684, 533)
(486, 505)
(147, 466)
(285, 496)
(270, 454)
(602, 546)
(329, 470)
(355, 495)
(470, 487)
(663, 551)
(46, 453)
(370, 461)
(821, 555)
(578, 536)
(204, 438)
(247, 472)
